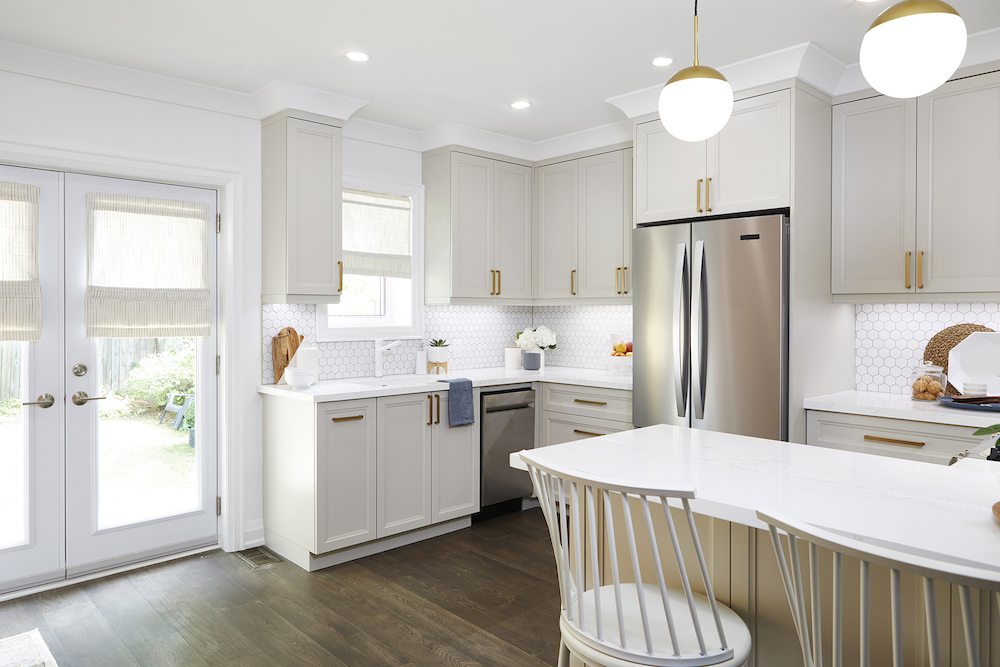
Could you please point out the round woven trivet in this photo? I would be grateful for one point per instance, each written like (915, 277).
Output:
(940, 345)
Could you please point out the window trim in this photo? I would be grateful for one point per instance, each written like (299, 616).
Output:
(327, 334)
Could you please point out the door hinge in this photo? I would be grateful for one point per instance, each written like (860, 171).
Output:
(218, 365)
(218, 223)
(218, 506)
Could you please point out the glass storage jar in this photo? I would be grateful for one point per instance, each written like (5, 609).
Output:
(927, 382)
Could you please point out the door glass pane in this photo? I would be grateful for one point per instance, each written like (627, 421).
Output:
(147, 467)
(13, 474)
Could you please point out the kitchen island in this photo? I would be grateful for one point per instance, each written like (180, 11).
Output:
(942, 512)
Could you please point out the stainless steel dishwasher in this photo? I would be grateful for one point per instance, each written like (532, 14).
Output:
(508, 425)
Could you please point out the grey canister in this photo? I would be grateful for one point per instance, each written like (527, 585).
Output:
(532, 361)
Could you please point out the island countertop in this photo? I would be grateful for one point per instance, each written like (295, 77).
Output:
(942, 512)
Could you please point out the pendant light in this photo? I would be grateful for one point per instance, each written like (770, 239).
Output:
(913, 47)
(697, 101)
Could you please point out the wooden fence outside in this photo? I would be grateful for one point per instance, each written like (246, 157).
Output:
(117, 357)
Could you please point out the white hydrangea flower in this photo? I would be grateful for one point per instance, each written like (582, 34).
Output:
(527, 339)
(546, 338)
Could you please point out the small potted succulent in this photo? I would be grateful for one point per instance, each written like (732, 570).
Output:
(438, 351)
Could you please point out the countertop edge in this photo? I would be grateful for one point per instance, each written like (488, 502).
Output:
(898, 406)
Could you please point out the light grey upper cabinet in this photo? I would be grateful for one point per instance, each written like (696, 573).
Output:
(584, 228)
(301, 260)
(958, 186)
(746, 167)
(874, 202)
(478, 228)
(916, 193)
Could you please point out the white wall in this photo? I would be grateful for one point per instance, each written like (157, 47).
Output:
(52, 124)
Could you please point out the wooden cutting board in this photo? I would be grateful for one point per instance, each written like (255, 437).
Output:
(283, 346)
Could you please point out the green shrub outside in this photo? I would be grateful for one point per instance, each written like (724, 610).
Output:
(159, 375)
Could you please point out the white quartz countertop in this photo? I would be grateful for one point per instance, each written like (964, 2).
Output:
(899, 406)
(937, 511)
(392, 385)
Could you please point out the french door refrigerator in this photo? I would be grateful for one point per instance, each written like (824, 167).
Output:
(710, 325)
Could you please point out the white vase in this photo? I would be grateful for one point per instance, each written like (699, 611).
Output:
(437, 355)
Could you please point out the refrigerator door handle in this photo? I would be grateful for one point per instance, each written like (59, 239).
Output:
(699, 331)
(682, 346)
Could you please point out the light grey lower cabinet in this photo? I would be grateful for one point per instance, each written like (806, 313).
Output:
(341, 476)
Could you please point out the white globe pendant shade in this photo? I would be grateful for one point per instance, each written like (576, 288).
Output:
(696, 103)
(913, 47)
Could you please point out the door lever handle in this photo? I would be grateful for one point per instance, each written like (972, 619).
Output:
(45, 401)
(81, 398)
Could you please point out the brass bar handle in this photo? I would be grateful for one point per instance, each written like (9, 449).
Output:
(493, 278)
(580, 400)
(618, 286)
(908, 270)
(576, 430)
(572, 275)
(81, 398)
(499, 283)
(438, 397)
(430, 409)
(341, 264)
(698, 200)
(920, 270)
(708, 196)
(907, 443)
(337, 420)
(44, 401)
(624, 280)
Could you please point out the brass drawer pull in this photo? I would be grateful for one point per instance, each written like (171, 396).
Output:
(580, 400)
(708, 196)
(908, 270)
(618, 284)
(572, 276)
(499, 283)
(493, 275)
(698, 200)
(341, 264)
(624, 280)
(920, 270)
(576, 430)
(438, 397)
(890, 441)
(337, 420)
(430, 410)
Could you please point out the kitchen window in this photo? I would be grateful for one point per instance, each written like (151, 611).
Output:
(383, 265)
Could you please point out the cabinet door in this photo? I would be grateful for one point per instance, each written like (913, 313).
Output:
(874, 196)
(750, 159)
(557, 275)
(455, 465)
(512, 230)
(958, 186)
(471, 225)
(403, 463)
(314, 209)
(667, 171)
(602, 217)
(345, 462)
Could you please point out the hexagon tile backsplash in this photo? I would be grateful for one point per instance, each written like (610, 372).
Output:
(890, 338)
(478, 335)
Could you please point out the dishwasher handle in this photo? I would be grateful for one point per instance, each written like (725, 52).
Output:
(516, 406)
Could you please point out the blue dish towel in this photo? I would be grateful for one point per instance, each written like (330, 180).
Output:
(460, 410)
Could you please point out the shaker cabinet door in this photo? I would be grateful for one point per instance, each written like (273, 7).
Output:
(455, 477)
(557, 275)
(603, 212)
(874, 196)
(404, 463)
(669, 175)
(472, 212)
(512, 230)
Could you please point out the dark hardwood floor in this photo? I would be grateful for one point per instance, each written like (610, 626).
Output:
(481, 596)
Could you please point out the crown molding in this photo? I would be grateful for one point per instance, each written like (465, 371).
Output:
(279, 95)
(42, 64)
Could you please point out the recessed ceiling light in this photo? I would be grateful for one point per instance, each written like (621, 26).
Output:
(662, 62)
(358, 56)
(520, 105)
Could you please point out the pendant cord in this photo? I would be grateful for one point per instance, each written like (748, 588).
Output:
(695, 33)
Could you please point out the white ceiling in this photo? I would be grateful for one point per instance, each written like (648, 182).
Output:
(447, 61)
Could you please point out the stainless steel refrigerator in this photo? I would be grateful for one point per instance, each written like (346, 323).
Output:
(710, 325)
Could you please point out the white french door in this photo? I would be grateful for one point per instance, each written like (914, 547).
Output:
(95, 480)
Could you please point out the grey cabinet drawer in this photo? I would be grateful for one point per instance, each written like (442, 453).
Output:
(614, 404)
(899, 438)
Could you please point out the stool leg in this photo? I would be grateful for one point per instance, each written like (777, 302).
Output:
(563, 654)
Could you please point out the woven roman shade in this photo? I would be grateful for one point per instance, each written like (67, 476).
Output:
(147, 267)
(20, 289)
(376, 234)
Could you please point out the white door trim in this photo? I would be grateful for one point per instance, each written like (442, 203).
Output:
(236, 380)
